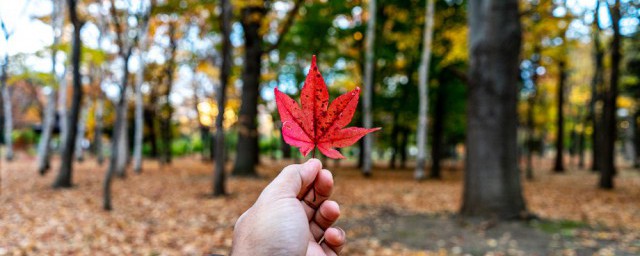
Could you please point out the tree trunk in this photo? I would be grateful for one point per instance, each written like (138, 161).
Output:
(63, 180)
(47, 130)
(609, 117)
(394, 140)
(99, 121)
(139, 122)
(596, 88)
(151, 123)
(219, 188)
(284, 147)
(106, 204)
(6, 106)
(123, 136)
(559, 163)
(492, 181)
(581, 143)
(44, 146)
(367, 115)
(139, 101)
(403, 147)
(79, 151)
(167, 110)
(62, 104)
(247, 151)
(530, 139)
(423, 86)
(438, 132)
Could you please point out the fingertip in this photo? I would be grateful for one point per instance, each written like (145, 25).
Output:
(314, 163)
(330, 210)
(335, 237)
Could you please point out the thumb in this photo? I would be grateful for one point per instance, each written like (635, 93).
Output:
(294, 181)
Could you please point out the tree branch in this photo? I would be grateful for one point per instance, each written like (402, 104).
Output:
(118, 29)
(287, 25)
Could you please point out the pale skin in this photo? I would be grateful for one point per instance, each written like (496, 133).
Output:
(285, 220)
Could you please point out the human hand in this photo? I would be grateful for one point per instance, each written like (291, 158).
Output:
(285, 220)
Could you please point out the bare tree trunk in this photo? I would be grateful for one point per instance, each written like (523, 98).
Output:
(139, 122)
(139, 114)
(492, 181)
(106, 203)
(394, 140)
(63, 180)
(530, 139)
(423, 86)
(403, 147)
(47, 130)
(8, 112)
(438, 133)
(166, 110)
(122, 140)
(559, 163)
(44, 146)
(219, 188)
(62, 104)
(596, 88)
(99, 121)
(79, 152)
(367, 116)
(247, 150)
(609, 118)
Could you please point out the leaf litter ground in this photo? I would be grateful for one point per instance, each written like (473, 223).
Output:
(166, 211)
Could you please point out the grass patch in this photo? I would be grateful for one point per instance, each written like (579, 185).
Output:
(563, 227)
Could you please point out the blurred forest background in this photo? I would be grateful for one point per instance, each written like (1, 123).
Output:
(157, 111)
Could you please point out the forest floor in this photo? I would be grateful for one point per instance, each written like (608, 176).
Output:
(167, 211)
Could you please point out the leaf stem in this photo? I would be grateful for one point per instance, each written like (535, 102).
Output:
(313, 155)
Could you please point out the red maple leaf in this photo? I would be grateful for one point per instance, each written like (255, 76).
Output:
(318, 124)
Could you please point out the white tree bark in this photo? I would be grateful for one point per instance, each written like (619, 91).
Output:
(44, 146)
(139, 114)
(47, 130)
(423, 86)
(368, 84)
(62, 105)
(123, 145)
(8, 118)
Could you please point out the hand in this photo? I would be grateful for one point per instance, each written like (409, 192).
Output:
(285, 220)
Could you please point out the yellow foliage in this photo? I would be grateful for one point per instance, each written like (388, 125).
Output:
(457, 52)
(208, 69)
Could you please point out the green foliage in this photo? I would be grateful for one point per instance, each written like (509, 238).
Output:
(24, 137)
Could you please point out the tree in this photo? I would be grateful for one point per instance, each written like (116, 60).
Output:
(166, 110)
(44, 147)
(63, 180)
(139, 114)
(251, 20)
(492, 181)
(118, 139)
(596, 91)
(367, 117)
(559, 162)
(79, 152)
(219, 188)
(6, 95)
(423, 85)
(608, 134)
